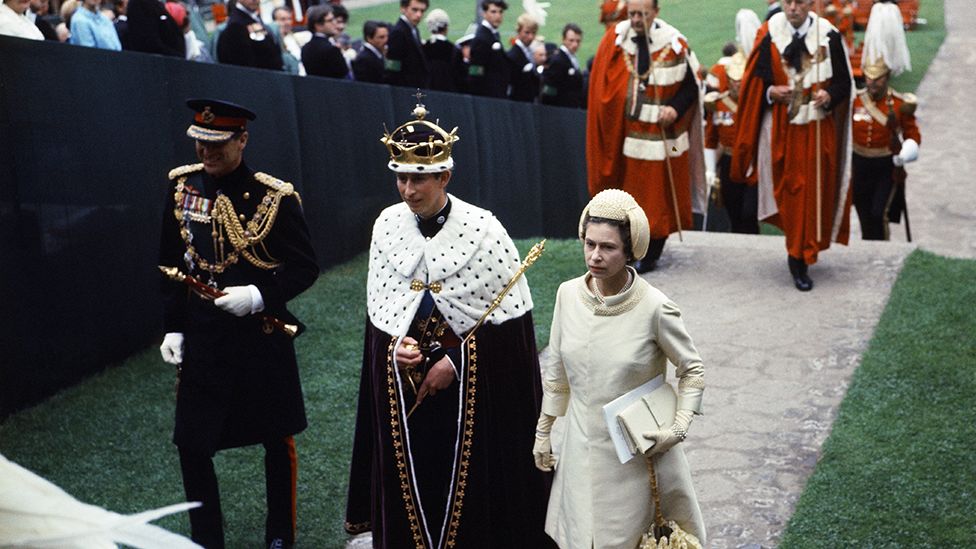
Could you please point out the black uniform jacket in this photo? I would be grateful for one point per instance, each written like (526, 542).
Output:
(406, 64)
(152, 29)
(322, 58)
(562, 83)
(248, 43)
(447, 68)
(525, 83)
(367, 66)
(490, 71)
(238, 385)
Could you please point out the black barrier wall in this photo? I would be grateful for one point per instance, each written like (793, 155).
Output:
(87, 137)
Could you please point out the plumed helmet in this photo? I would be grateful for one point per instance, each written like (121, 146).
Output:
(620, 206)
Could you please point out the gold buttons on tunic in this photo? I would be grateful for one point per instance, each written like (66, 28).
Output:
(247, 195)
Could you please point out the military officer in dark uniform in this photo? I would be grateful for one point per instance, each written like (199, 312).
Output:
(246, 41)
(243, 233)
(490, 70)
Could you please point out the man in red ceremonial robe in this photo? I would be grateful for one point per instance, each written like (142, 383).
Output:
(797, 83)
(644, 126)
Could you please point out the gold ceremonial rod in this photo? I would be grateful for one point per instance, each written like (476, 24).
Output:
(530, 258)
(664, 132)
(816, 88)
(209, 293)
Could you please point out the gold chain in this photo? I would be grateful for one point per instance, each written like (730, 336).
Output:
(629, 62)
(226, 226)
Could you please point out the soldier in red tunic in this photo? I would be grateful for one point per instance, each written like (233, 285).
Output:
(885, 134)
(739, 198)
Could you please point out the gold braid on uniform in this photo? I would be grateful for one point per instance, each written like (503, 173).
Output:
(246, 241)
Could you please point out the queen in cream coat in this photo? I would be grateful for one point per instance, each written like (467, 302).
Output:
(600, 348)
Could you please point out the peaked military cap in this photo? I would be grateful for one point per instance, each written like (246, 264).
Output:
(215, 120)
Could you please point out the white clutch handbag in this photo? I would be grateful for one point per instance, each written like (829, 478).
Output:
(649, 407)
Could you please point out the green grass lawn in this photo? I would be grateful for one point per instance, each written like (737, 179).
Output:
(107, 440)
(897, 462)
(708, 24)
(899, 469)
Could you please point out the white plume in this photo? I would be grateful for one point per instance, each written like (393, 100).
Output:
(537, 10)
(884, 38)
(35, 513)
(746, 26)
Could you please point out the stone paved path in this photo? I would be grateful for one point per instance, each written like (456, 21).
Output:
(778, 361)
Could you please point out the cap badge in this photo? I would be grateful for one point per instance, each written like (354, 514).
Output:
(207, 115)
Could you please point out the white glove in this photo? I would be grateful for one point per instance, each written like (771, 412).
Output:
(241, 300)
(542, 449)
(909, 153)
(665, 439)
(172, 348)
(710, 179)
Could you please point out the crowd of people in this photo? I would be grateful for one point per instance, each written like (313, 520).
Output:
(306, 38)
(788, 139)
(451, 379)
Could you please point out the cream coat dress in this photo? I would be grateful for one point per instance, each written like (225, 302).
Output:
(599, 350)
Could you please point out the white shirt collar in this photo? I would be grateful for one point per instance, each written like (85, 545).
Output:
(256, 15)
(570, 55)
(804, 28)
(488, 26)
(373, 49)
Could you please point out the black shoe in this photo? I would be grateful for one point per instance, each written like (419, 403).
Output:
(798, 269)
(645, 265)
(279, 543)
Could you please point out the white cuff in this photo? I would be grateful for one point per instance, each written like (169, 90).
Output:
(457, 374)
(257, 302)
(909, 151)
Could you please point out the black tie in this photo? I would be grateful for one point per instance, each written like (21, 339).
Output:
(795, 51)
(643, 54)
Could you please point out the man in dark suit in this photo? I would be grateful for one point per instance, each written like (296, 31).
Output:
(562, 81)
(406, 64)
(368, 65)
(321, 57)
(247, 41)
(238, 382)
(525, 77)
(36, 12)
(489, 72)
(151, 29)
